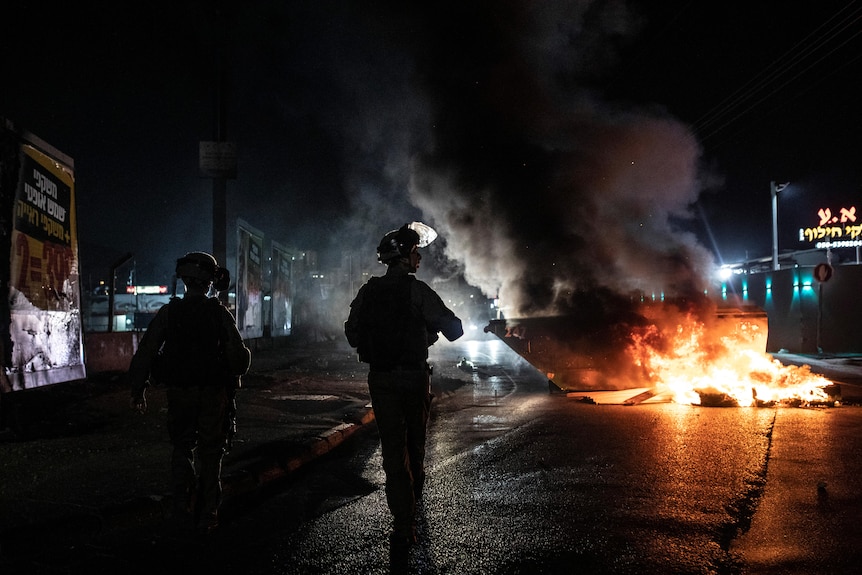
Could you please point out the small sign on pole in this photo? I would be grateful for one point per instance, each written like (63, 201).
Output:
(217, 160)
(822, 272)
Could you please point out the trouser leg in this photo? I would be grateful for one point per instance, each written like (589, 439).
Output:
(182, 421)
(390, 419)
(212, 439)
(209, 490)
(183, 480)
(417, 428)
(400, 407)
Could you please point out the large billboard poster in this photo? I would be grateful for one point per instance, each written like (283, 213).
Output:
(282, 291)
(249, 281)
(44, 293)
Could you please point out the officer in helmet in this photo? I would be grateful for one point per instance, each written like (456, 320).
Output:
(193, 348)
(392, 322)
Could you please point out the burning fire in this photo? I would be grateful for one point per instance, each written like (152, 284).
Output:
(699, 364)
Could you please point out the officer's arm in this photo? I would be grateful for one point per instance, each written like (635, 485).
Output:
(237, 355)
(438, 317)
(148, 348)
(451, 326)
(352, 326)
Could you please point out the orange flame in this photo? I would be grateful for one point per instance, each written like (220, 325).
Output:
(690, 362)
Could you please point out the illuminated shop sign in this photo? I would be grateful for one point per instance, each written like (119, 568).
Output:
(834, 229)
(137, 290)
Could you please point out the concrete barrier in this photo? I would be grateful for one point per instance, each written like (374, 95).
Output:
(109, 352)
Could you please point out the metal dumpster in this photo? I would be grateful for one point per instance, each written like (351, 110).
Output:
(584, 354)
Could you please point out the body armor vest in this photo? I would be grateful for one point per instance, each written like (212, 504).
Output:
(393, 334)
(191, 352)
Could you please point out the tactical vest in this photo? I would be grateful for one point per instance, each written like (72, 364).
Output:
(393, 334)
(191, 353)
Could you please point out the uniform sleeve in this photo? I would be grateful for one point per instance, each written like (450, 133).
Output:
(438, 317)
(353, 327)
(148, 348)
(237, 355)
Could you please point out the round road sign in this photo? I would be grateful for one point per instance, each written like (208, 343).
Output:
(823, 272)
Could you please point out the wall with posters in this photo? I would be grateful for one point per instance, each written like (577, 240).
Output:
(249, 281)
(41, 315)
(282, 290)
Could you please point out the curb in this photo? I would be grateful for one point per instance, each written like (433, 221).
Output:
(261, 473)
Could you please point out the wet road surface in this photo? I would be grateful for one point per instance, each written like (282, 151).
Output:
(526, 481)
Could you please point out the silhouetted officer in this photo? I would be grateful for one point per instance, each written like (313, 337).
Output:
(193, 347)
(392, 321)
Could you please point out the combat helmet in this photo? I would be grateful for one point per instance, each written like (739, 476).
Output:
(203, 268)
(399, 243)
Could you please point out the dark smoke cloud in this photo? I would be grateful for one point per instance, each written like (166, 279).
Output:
(486, 120)
(542, 189)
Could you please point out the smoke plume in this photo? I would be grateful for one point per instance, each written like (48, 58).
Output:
(543, 190)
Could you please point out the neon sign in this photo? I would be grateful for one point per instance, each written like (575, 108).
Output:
(834, 230)
(137, 290)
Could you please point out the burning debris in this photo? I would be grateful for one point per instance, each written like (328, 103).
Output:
(692, 354)
(721, 362)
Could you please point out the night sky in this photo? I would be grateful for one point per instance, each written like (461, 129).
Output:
(554, 145)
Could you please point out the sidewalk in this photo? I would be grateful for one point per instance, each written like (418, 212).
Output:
(845, 370)
(82, 462)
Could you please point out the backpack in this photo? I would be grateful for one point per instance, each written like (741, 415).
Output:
(392, 334)
(191, 353)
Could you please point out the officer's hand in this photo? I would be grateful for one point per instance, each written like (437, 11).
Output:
(139, 404)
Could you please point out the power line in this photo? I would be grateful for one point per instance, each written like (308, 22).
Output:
(775, 77)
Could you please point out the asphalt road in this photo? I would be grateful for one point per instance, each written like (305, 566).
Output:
(526, 481)
(523, 481)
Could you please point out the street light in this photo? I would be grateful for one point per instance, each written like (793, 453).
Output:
(774, 189)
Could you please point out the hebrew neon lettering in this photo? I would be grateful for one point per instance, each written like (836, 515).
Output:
(826, 216)
(820, 232)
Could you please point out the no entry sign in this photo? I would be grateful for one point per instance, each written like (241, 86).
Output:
(822, 272)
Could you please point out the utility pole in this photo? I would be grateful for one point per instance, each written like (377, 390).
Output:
(774, 190)
(218, 157)
(219, 230)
